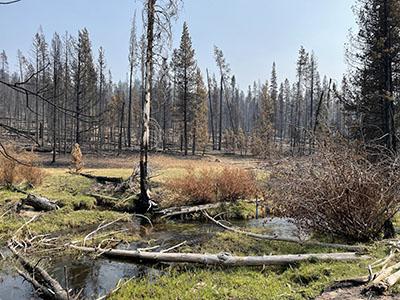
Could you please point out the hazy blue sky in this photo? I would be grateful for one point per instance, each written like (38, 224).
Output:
(252, 33)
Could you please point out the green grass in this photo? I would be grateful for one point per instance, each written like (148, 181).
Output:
(301, 281)
(66, 189)
(70, 192)
(63, 220)
(8, 196)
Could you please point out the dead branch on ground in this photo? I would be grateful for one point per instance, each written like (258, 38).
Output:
(39, 278)
(289, 240)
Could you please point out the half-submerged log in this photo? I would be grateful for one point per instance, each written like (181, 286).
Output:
(223, 259)
(40, 279)
(286, 239)
(40, 203)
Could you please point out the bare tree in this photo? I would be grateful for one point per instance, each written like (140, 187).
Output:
(9, 2)
(56, 62)
(159, 14)
(224, 72)
(132, 65)
(211, 110)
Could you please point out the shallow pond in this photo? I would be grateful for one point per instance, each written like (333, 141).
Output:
(95, 278)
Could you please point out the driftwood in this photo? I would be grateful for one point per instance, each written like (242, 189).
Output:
(39, 203)
(223, 259)
(101, 179)
(384, 279)
(375, 283)
(287, 239)
(175, 211)
(391, 280)
(39, 278)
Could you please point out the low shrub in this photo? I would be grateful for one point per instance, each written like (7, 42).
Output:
(339, 191)
(18, 166)
(210, 185)
(234, 183)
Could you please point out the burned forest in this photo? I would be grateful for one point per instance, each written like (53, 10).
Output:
(183, 149)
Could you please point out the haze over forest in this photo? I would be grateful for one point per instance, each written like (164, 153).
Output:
(254, 37)
(200, 149)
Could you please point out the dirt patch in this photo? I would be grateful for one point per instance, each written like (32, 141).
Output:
(353, 294)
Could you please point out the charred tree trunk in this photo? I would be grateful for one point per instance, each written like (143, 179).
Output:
(121, 123)
(144, 203)
(78, 95)
(211, 111)
(129, 129)
(220, 113)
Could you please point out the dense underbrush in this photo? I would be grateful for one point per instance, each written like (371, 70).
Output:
(339, 191)
(18, 165)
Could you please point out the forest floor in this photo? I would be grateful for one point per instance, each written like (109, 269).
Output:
(80, 215)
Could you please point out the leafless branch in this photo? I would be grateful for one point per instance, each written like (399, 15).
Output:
(9, 2)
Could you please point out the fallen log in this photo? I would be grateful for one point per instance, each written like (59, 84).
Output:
(175, 211)
(384, 279)
(101, 179)
(286, 239)
(223, 259)
(392, 280)
(40, 203)
(38, 149)
(38, 287)
(37, 202)
(39, 278)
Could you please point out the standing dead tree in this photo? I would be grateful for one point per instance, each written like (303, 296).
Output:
(159, 15)
(132, 65)
(224, 69)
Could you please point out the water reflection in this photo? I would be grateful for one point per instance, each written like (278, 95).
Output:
(97, 277)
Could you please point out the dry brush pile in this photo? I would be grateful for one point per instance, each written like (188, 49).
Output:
(18, 165)
(339, 191)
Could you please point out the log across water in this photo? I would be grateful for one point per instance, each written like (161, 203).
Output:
(224, 259)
